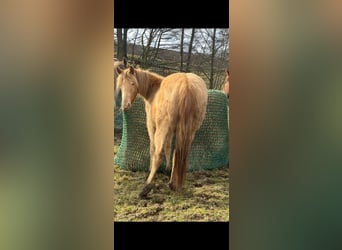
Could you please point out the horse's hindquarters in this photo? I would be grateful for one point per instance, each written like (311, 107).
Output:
(176, 86)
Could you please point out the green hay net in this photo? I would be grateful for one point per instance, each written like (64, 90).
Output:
(209, 149)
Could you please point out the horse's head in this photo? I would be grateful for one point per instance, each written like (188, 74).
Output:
(128, 83)
(118, 65)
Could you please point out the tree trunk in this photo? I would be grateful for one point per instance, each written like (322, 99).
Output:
(125, 43)
(213, 52)
(122, 43)
(147, 48)
(134, 42)
(157, 44)
(181, 50)
(190, 50)
(119, 36)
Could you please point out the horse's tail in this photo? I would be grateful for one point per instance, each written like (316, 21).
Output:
(184, 137)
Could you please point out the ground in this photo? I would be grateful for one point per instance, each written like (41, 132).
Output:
(205, 196)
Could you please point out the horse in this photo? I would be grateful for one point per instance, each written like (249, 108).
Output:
(226, 84)
(174, 105)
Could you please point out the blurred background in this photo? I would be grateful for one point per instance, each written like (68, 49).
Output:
(285, 130)
(56, 125)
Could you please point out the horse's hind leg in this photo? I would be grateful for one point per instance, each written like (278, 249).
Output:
(151, 130)
(152, 149)
(159, 140)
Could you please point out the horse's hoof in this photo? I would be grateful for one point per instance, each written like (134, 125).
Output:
(145, 191)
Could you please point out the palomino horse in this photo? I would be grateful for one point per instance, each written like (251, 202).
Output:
(176, 105)
(226, 84)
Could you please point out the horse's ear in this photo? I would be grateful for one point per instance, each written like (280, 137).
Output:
(227, 71)
(131, 70)
(118, 70)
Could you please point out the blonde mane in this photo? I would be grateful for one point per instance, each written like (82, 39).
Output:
(148, 82)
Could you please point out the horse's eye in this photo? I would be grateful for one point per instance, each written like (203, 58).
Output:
(132, 83)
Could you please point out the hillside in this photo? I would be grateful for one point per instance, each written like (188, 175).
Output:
(172, 58)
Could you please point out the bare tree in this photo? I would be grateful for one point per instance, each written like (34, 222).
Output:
(119, 52)
(212, 59)
(125, 43)
(122, 43)
(190, 50)
(181, 50)
(146, 40)
(202, 51)
(159, 37)
(151, 41)
(134, 43)
(211, 49)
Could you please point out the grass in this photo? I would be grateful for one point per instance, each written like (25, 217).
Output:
(204, 197)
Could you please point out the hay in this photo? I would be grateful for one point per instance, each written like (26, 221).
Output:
(209, 149)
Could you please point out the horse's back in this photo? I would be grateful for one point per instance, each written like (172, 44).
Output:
(185, 83)
(182, 85)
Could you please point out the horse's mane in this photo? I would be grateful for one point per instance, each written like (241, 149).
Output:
(148, 81)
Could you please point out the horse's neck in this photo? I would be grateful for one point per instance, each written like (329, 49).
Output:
(149, 85)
